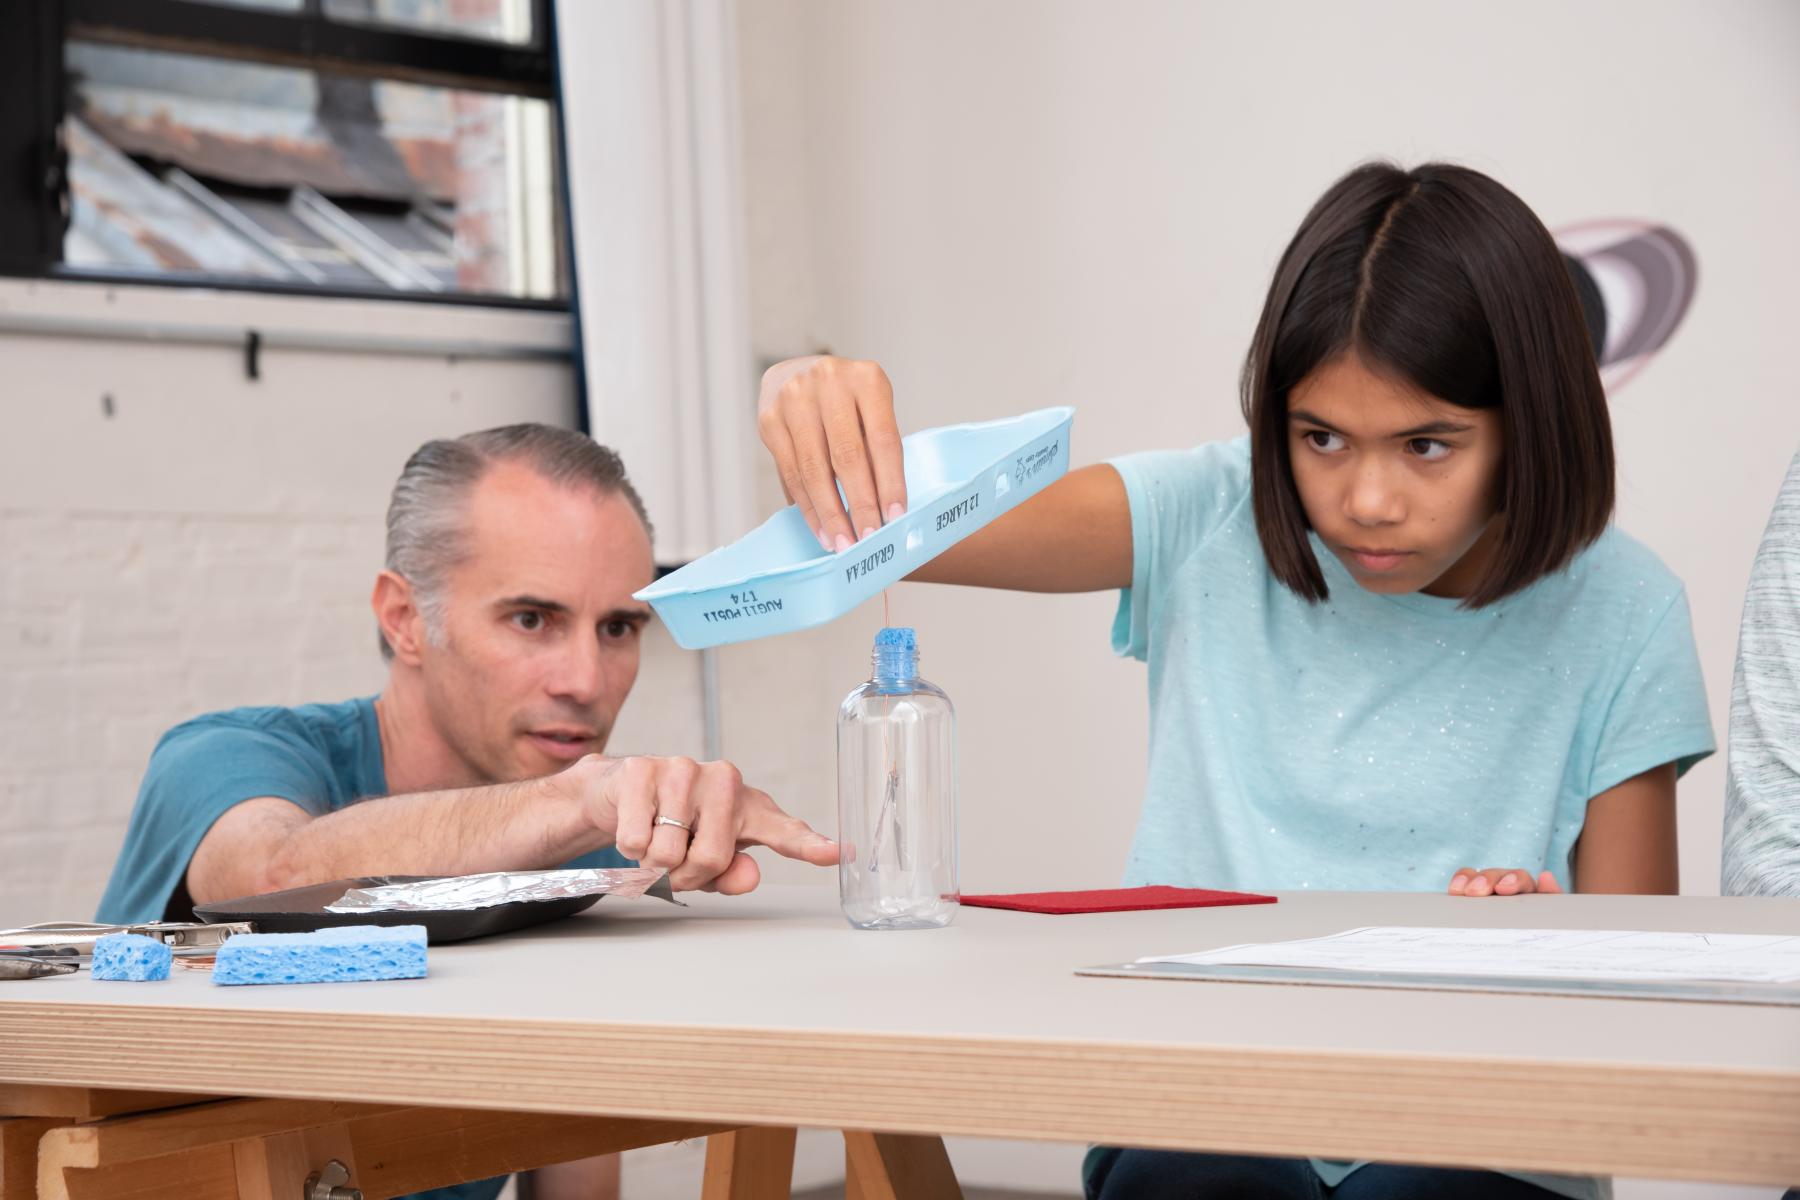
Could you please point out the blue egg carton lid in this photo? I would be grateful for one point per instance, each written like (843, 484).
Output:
(775, 579)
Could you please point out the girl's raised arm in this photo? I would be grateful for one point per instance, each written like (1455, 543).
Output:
(830, 421)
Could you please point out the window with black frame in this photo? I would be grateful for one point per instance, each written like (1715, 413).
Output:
(387, 147)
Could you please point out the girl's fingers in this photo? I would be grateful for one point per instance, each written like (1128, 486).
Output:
(787, 466)
(813, 454)
(875, 403)
(1501, 881)
(777, 393)
(850, 460)
(829, 423)
(1546, 883)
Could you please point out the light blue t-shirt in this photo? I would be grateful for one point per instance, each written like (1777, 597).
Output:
(1377, 742)
(322, 757)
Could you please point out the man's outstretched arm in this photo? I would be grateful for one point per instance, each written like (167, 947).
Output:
(268, 844)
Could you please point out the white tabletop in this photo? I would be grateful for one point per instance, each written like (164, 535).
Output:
(770, 1008)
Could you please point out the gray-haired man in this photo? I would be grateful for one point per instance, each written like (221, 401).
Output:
(512, 639)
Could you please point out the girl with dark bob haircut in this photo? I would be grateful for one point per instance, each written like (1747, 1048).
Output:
(1392, 637)
(1441, 277)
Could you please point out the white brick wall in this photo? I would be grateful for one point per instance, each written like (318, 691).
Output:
(115, 626)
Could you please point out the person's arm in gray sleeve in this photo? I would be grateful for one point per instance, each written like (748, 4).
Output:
(1762, 791)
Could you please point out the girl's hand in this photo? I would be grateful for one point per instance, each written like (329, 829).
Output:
(1501, 881)
(830, 421)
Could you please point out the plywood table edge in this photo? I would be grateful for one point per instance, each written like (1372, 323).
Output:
(1659, 1120)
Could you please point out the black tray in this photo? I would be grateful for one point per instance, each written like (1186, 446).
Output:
(302, 910)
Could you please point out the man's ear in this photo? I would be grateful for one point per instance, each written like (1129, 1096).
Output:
(398, 616)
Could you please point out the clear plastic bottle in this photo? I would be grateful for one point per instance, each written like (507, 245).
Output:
(897, 795)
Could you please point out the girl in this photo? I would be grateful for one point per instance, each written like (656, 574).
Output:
(1391, 635)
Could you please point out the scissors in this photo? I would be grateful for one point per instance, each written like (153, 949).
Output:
(57, 947)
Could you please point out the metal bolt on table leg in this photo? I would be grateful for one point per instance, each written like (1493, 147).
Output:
(331, 1184)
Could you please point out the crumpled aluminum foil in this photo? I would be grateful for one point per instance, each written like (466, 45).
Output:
(504, 887)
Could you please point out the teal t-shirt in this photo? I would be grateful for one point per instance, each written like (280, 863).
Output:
(322, 757)
(1379, 742)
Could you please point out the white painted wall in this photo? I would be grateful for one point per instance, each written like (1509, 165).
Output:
(1013, 203)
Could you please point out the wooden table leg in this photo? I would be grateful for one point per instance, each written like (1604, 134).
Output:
(897, 1166)
(19, 1155)
(756, 1163)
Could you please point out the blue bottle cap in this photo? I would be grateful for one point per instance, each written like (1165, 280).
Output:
(896, 656)
(896, 637)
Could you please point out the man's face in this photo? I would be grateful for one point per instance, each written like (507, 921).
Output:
(1402, 486)
(540, 638)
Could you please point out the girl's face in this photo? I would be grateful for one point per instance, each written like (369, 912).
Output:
(1402, 486)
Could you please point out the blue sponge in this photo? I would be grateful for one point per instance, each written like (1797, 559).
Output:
(342, 954)
(896, 637)
(131, 956)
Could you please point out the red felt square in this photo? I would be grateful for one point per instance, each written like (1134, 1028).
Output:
(1115, 900)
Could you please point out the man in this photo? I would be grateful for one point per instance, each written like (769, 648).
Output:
(512, 639)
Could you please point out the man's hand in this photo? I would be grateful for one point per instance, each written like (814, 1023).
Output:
(722, 815)
(1501, 881)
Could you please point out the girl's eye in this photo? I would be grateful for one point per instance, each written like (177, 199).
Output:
(1323, 442)
(618, 629)
(528, 621)
(1428, 449)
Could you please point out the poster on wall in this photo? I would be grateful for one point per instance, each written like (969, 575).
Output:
(1636, 280)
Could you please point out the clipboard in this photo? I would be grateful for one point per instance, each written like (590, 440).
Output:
(1697, 991)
